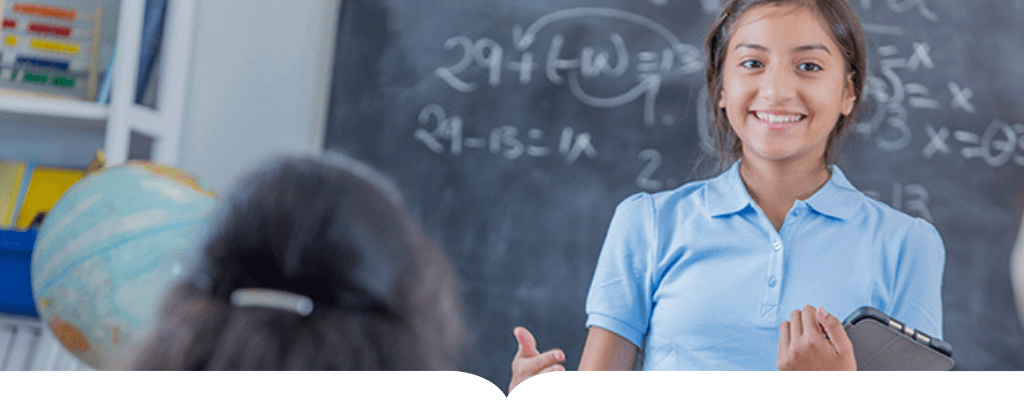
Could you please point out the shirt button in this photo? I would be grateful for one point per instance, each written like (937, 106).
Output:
(772, 282)
(777, 245)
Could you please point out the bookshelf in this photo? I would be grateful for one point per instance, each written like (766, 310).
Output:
(121, 118)
(52, 108)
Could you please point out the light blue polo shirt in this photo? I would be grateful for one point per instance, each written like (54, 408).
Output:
(702, 274)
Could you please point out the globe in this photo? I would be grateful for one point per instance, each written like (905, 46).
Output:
(107, 252)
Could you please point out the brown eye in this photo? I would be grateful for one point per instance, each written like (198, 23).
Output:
(752, 64)
(809, 67)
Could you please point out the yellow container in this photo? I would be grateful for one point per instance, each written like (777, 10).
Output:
(11, 175)
(47, 185)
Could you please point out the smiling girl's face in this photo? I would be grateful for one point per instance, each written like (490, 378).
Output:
(785, 84)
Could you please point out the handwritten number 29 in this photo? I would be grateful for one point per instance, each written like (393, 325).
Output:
(485, 53)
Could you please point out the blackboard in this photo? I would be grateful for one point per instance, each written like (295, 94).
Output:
(515, 127)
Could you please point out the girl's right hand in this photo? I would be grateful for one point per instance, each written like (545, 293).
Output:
(528, 362)
(813, 339)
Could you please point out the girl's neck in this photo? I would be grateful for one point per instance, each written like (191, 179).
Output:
(774, 186)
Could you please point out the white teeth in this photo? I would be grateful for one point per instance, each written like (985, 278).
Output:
(771, 118)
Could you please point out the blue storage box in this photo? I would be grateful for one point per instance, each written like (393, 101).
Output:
(15, 279)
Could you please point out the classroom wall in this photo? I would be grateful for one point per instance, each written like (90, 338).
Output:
(258, 85)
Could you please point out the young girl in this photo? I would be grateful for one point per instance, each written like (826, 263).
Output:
(735, 272)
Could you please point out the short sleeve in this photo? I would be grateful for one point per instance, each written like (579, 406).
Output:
(620, 293)
(918, 288)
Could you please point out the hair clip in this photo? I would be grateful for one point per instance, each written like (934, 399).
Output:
(273, 299)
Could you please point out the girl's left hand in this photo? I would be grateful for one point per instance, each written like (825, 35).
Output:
(804, 346)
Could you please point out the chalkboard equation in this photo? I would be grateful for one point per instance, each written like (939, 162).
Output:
(442, 132)
(895, 98)
(506, 141)
(996, 145)
(674, 59)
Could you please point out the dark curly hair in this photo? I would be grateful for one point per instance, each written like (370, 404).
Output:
(331, 229)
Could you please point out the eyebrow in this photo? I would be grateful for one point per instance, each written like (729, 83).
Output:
(804, 48)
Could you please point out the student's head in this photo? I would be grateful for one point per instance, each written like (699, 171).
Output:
(311, 264)
(783, 66)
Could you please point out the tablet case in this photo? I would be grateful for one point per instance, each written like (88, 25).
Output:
(881, 343)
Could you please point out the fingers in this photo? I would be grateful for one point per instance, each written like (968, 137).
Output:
(553, 368)
(528, 348)
(813, 339)
(527, 367)
(809, 317)
(527, 344)
(784, 334)
(524, 368)
(783, 339)
(836, 332)
(551, 356)
(796, 325)
(802, 333)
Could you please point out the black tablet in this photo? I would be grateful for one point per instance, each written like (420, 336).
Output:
(881, 343)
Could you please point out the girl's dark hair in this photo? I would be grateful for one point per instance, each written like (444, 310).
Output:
(846, 32)
(332, 229)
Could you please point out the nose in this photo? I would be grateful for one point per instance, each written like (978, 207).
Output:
(778, 85)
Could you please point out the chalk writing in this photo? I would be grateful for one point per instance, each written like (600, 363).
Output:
(903, 6)
(442, 132)
(891, 100)
(997, 145)
(651, 159)
(889, 93)
(887, 121)
(579, 68)
(961, 98)
(937, 142)
(912, 199)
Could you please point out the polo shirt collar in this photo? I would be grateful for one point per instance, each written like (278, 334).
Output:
(837, 198)
(726, 194)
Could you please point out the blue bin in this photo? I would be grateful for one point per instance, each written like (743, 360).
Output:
(15, 278)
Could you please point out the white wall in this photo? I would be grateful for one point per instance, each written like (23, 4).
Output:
(259, 84)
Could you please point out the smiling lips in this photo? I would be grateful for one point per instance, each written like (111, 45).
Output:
(779, 118)
(778, 121)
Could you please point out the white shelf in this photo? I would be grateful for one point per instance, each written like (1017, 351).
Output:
(54, 108)
(121, 117)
